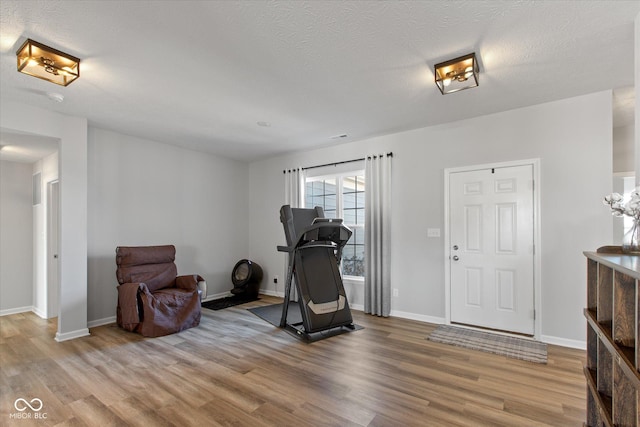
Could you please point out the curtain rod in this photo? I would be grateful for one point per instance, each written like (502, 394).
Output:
(390, 154)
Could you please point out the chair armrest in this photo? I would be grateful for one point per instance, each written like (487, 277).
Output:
(128, 315)
(202, 288)
(141, 287)
(188, 282)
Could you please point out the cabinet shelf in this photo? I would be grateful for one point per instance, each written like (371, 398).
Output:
(613, 336)
(626, 354)
(604, 402)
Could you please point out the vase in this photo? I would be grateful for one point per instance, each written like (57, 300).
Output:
(631, 239)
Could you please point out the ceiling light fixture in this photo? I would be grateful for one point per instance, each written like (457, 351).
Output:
(47, 63)
(457, 74)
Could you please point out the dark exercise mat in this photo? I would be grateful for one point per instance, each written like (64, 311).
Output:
(219, 304)
(273, 313)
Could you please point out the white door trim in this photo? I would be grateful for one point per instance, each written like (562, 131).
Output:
(537, 271)
(52, 286)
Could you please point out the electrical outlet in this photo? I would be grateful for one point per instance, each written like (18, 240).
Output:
(433, 232)
(275, 279)
(395, 292)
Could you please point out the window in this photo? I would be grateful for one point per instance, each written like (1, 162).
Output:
(342, 196)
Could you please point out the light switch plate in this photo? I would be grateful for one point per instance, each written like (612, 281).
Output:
(433, 232)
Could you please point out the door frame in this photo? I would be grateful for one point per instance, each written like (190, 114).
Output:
(537, 270)
(52, 285)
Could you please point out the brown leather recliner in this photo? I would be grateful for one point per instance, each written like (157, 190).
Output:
(152, 299)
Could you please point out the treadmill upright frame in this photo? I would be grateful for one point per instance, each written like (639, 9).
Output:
(315, 248)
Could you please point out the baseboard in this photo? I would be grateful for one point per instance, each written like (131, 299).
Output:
(418, 317)
(101, 322)
(358, 307)
(72, 335)
(564, 342)
(16, 310)
(272, 293)
(216, 296)
(112, 319)
(39, 312)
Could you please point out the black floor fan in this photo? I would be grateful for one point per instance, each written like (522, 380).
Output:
(246, 278)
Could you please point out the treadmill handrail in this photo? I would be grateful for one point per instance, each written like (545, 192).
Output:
(308, 245)
(317, 226)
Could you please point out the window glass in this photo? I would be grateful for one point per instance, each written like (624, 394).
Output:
(342, 196)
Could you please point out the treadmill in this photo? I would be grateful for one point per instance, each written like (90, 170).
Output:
(314, 245)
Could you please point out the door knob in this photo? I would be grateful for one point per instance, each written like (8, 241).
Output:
(456, 257)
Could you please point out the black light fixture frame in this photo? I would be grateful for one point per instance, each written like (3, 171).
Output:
(458, 74)
(48, 64)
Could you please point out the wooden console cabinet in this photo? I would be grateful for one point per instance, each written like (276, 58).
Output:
(613, 338)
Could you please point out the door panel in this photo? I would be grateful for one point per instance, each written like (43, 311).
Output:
(505, 290)
(473, 228)
(474, 287)
(506, 228)
(491, 225)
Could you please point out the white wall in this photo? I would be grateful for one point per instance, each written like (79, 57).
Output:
(72, 133)
(16, 231)
(573, 140)
(147, 193)
(623, 149)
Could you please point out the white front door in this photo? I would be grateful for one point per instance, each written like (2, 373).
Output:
(491, 250)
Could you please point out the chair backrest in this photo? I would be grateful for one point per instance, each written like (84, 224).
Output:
(152, 265)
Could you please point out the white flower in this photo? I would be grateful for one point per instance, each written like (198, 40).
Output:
(619, 207)
(615, 197)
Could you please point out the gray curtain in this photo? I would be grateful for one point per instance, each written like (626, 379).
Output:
(377, 255)
(294, 187)
(294, 197)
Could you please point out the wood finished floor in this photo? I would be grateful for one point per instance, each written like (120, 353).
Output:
(237, 370)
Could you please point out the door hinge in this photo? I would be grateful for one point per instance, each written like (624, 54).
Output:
(534, 314)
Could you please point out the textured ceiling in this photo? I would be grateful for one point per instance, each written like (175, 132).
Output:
(202, 74)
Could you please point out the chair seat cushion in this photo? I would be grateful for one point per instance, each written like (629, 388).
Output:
(168, 311)
(173, 297)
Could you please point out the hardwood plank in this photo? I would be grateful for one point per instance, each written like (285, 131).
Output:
(235, 369)
(274, 415)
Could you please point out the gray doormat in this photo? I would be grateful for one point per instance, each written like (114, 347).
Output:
(516, 348)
